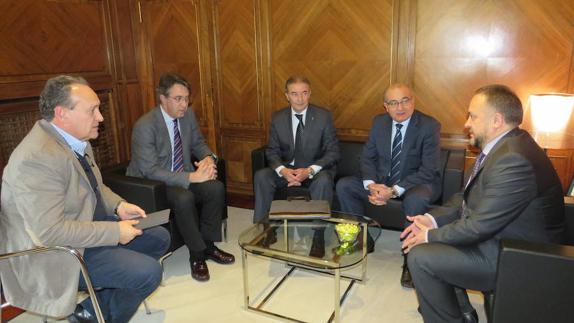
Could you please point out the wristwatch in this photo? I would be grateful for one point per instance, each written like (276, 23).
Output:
(394, 192)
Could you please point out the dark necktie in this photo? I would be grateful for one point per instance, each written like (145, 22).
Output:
(395, 175)
(299, 142)
(100, 212)
(177, 149)
(475, 169)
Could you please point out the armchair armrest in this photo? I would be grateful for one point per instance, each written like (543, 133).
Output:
(146, 193)
(533, 282)
(258, 160)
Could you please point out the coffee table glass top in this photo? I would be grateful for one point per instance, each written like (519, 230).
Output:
(312, 243)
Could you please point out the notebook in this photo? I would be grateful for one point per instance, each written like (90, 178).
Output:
(153, 219)
(299, 209)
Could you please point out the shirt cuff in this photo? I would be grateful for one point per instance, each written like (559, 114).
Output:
(278, 170)
(435, 226)
(367, 182)
(316, 169)
(400, 190)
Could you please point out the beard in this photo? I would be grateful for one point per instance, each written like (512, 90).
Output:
(476, 141)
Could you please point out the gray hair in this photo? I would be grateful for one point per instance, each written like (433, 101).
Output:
(56, 92)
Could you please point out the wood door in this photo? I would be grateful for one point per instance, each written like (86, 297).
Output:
(175, 39)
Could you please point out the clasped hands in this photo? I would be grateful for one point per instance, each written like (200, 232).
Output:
(295, 177)
(205, 170)
(379, 193)
(416, 232)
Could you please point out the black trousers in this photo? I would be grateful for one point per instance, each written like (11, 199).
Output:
(198, 211)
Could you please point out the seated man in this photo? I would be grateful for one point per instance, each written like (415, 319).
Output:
(400, 159)
(163, 141)
(513, 192)
(302, 150)
(52, 194)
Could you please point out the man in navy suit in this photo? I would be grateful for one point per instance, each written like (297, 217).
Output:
(302, 150)
(400, 159)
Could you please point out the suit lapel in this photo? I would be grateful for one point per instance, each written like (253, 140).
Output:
(289, 127)
(410, 138)
(387, 128)
(161, 127)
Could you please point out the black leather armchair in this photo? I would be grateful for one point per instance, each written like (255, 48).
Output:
(150, 195)
(452, 169)
(535, 281)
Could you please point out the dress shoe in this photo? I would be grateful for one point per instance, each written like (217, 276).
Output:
(470, 317)
(270, 238)
(406, 279)
(199, 270)
(219, 256)
(81, 315)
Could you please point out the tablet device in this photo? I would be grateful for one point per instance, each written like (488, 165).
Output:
(153, 219)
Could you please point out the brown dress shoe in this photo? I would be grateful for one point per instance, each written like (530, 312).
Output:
(199, 270)
(219, 256)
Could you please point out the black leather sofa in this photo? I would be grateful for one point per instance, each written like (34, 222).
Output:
(391, 215)
(150, 195)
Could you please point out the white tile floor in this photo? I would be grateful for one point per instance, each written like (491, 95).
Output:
(306, 296)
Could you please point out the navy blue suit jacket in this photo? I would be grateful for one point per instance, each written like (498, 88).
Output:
(420, 157)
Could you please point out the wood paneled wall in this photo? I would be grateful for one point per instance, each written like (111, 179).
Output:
(238, 53)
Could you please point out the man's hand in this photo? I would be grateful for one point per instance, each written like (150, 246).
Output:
(128, 211)
(379, 194)
(416, 233)
(301, 174)
(208, 160)
(290, 176)
(127, 231)
(205, 171)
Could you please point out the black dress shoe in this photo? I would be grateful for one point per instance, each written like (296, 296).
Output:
(199, 270)
(470, 317)
(219, 256)
(81, 315)
(317, 249)
(406, 279)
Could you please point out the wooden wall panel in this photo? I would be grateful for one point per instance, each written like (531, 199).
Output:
(174, 34)
(344, 47)
(462, 45)
(237, 150)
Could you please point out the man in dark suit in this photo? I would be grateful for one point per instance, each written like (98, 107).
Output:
(401, 159)
(302, 150)
(163, 141)
(513, 192)
(53, 195)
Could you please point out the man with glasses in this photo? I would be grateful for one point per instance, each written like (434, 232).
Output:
(164, 143)
(400, 160)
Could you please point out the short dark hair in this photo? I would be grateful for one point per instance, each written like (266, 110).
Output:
(504, 101)
(296, 79)
(57, 92)
(167, 80)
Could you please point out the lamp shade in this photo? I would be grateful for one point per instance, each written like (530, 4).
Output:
(550, 115)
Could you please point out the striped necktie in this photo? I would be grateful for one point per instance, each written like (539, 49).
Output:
(395, 175)
(475, 169)
(177, 149)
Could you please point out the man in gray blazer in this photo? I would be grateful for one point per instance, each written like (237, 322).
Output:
(513, 192)
(401, 159)
(53, 195)
(164, 143)
(302, 150)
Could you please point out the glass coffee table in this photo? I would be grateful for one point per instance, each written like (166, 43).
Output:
(288, 241)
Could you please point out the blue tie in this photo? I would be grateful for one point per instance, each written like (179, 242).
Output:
(177, 149)
(396, 157)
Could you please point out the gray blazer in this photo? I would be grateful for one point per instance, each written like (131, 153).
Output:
(516, 194)
(320, 145)
(152, 151)
(47, 200)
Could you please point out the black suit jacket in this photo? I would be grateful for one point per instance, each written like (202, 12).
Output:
(320, 145)
(516, 194)
(420, 156)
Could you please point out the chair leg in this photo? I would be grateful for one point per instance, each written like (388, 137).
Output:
(161, 260)
(147, 310)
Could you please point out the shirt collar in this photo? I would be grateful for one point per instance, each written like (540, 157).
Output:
(76, 144)
(293, 112)
(404, 123)
(488, 147)
(168, 119)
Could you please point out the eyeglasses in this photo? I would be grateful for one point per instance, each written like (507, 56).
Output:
(395, 103)
(180, 99)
